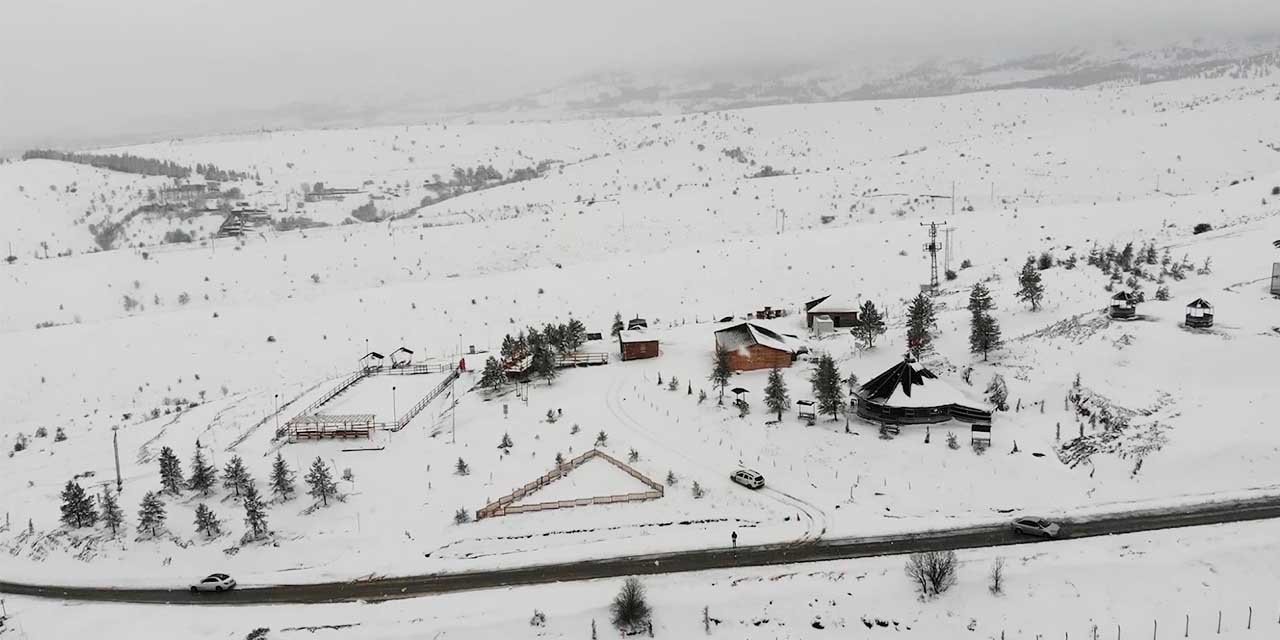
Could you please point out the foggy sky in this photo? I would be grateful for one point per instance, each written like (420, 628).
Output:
(89, 70)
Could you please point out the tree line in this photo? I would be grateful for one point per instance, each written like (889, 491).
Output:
(540, 347)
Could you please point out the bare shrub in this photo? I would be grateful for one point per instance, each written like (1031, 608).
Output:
(997, 577)
(932, 572)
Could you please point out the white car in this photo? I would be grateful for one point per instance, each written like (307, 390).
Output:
(1036, 526)
(215, 582)
(747, 478)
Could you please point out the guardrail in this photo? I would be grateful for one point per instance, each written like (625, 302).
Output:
(413, 411)
(345, 384)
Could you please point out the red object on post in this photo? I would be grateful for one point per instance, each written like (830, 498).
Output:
(462, 365)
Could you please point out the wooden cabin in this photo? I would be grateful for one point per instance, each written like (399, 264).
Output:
(637, 344)
(908, 393)
(1199, 314)
(753, 347)
(843, 314)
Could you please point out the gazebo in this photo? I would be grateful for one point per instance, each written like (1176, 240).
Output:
(908, 393)
(1199, 314)
(1124, 306)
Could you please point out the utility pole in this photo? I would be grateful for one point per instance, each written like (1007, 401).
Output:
(453, 416)
(115, 445)
(932, 248)
(953, 198)
(394, 415)
(277, 415)
(946, 246)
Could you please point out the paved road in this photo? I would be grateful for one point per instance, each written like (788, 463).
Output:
(748, 556)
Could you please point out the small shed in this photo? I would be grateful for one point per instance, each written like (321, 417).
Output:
(1124, 305)
(637, 344)
(805, 411)
(1199, 314)
(843, 314)
(401, 357)
(371, 361)
(823, 325)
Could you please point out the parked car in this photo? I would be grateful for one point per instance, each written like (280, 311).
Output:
(215, 582)
(1036, 526)
(747, 478)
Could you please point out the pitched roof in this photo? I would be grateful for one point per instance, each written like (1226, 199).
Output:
(1199, 303)
(831, 304)
(910, 384)
(1124, 296)
(372, 354)
(630, 336)
(808, 306)
(404, 349)
(747, 334)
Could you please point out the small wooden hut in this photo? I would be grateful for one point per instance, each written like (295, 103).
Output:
(1124, 306)
(637, 344)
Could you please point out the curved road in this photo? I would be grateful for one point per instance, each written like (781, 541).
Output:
(996, 534)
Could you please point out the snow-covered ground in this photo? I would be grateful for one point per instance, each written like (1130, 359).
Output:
(1173, 583)
(651, 217)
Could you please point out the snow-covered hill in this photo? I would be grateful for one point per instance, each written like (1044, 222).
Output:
(674, 219)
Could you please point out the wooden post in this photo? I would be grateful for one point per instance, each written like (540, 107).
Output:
(1186, 629)
(1249, 624)
(1155, 626)
(1219, 621)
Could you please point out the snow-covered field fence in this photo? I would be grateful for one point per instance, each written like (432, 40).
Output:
(503, 506)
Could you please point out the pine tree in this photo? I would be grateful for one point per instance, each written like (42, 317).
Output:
(493, 376)
(618, 326)
(721, 371)
(111, 513)
(1030, 289)
(462, 468)
(77, 506)
(255, 513)
(206, 522)
(203, 475)
(775, 393)
(998, 393)
(920, 316)
(869, 324)
(543, 359)
(281, 479)
(170, 472)
(151, 515)
(826, 386)
(321, 482)
(506, 442)
(509, 350)
(984, 332)
(575, 335)
(234, 475)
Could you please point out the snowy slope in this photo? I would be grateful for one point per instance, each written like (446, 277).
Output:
(642, 221)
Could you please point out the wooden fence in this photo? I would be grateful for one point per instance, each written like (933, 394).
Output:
(503, 506)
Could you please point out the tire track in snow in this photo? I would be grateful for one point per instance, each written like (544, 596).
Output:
(813, 531)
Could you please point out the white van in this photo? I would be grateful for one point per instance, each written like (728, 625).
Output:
(747, 478)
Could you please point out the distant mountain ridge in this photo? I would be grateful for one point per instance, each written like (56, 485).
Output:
(615, 94)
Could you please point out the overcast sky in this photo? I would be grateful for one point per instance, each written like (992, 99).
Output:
(90, 69)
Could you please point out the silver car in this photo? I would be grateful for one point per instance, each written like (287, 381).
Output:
(1036, 526)
(215, 582)
(748, 478)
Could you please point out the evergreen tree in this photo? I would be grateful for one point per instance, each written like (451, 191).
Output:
(543, 357)
(998, 393)
(203, 475)
(554, 335)
(575, 335)
(281, 479)
(255, 512)
(170, 472)
(506, 441)
(111, 513)
(1030, 289)
(721, 371)
(77, 506)
(493, 376)
(321, 482)
(984, 332)
(235, 476)
(206, 522)
(920, 316)
(461, 468)
(151, 515)
(869, 324)
(510, 350)
(826, 386)
(775, 393)
(618, 326)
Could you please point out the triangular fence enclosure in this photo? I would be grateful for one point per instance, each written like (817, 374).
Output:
(518, 501)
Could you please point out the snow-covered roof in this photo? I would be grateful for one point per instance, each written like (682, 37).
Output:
(629, 336)
(1199, 303)
(910, 384)
(831, 304)
(747, 334)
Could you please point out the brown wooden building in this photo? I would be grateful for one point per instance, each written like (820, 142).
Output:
(637, 344)
(752, 347)
(843, 314)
